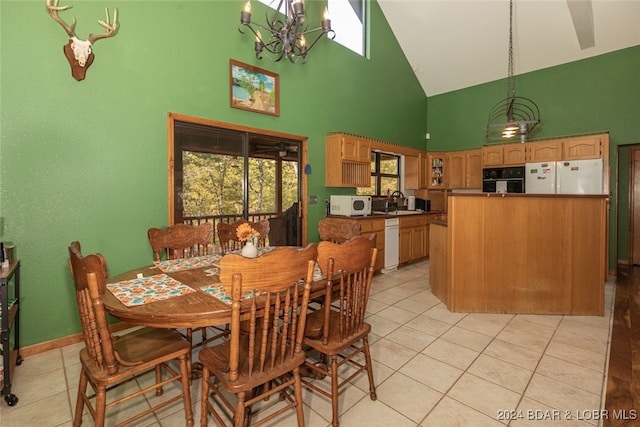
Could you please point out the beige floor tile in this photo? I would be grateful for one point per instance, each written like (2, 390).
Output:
(52, 410)
(514, 354)
(396, 314)
(441, 313)
(386, 297)
(391, 354)
(560, 395)
(451, 413)
(411, 338)
(586, 358)
(431, 372)
(466, 338)
(487, 324)
(572, 374)
(374, 414)
(382, 326)
(428, 325)
(451, 354)
(484, 396)
(533, 413)
(501, 373)
(410, 304)
(408, 396)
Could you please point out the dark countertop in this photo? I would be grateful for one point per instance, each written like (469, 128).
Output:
(551, 196)
(390, 215)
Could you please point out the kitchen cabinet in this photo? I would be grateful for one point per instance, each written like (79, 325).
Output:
(456, 169)
(503, 155)
(417, 173)
(437, 170)
(544, 151)
(347, 161)
(355, 149)
(464, 169)
(413, 237)
(473, 169)
(9, 314)
(375, 225)
(583, 148)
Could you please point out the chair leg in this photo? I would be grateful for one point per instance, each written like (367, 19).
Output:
(82, 391)
(204, 411)
(238, 417)
(334, 390)
(159, 379)
(186, 391)
(297, 390)
(367, 357)
(101, 405)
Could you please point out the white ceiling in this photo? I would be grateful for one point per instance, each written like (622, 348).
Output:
(453, 44)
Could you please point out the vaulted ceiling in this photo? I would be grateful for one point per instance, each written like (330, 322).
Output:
(453, 44)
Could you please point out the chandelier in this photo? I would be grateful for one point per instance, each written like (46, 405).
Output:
(513, 115)
(286, 31)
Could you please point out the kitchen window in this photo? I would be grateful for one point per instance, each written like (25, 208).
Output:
(385, 175)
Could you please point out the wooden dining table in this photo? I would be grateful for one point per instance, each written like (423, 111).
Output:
(189, 310)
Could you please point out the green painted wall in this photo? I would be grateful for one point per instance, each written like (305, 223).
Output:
(592, 95)
(87, 160)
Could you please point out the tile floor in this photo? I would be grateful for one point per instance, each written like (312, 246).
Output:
(431, 367)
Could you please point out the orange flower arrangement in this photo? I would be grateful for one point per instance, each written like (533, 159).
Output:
(246, 232)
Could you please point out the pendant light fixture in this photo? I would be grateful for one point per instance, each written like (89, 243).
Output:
(286, 31)
(513, 115)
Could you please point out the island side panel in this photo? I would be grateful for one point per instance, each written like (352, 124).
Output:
(524, 254)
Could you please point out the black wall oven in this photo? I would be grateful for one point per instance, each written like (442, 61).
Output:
(503, 180)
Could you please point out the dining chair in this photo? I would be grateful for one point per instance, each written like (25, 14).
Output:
(270, 295)
(183, 241)
(113, 361)
(228, 238)
(338, 230)
(338, 331)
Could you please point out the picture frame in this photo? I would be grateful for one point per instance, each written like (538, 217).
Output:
(253, 89)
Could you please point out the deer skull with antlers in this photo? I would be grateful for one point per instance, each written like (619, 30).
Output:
(78, 52)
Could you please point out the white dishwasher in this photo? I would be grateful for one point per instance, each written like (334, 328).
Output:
(391, 244)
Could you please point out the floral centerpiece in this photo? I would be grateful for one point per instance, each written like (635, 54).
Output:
(246, 233)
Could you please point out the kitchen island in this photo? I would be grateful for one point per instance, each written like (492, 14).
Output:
(521, 253)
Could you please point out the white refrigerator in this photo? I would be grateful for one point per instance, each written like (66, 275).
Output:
(565, 177)
(579, 176)
(540, 178)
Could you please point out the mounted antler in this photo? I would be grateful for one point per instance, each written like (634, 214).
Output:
(78, 52)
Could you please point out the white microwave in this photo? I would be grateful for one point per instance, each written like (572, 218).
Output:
(350, 205)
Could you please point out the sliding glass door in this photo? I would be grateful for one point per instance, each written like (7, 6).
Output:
(222, 175)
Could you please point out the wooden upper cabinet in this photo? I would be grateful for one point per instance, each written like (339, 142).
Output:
(492, 156)
(348, 161)
(473, 167)
(585, 147)
(456, 169)
(514, 154)
(544, 151)
(424, 172)
(355, 149)
(412, 172)
(503, 155)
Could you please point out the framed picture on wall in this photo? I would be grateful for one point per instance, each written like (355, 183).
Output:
(254, 89)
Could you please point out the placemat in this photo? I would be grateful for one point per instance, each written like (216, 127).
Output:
(148, 289)
(180, 264)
